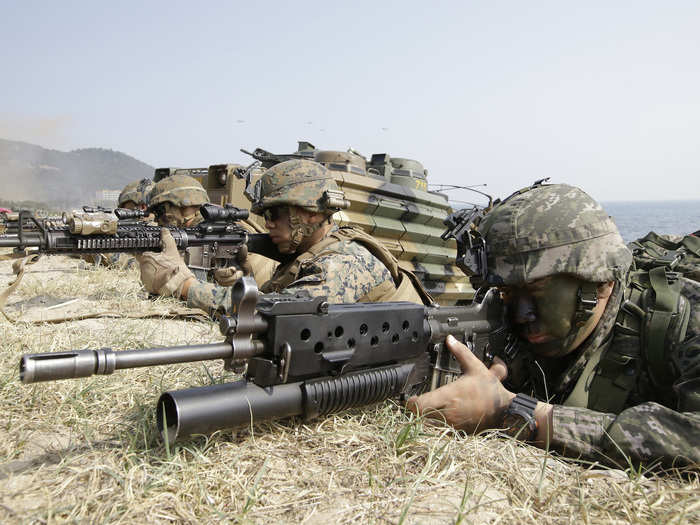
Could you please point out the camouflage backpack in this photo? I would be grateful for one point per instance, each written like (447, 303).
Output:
(650, 352)
(678, 254)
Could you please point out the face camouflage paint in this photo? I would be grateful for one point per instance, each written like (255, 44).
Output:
(545, 313)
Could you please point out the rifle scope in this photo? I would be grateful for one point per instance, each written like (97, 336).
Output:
(213, 213)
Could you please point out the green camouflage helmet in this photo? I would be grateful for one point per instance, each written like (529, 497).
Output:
(302, 183)
(549, 230)
(136, 191)
(179, 190)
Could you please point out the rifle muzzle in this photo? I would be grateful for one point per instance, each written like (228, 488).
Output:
(84, 363)
(34, 368)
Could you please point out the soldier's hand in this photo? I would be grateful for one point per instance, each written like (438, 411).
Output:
(475, 401)
(242, 260)
(227, 276)
(164, 273)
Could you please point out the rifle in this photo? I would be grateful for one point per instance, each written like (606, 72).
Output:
(123, 230)
(9, 222)
(304, 358)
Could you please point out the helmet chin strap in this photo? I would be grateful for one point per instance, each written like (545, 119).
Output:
(299, 229)
(587, 300)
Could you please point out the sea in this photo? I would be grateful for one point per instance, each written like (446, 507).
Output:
(636, 219)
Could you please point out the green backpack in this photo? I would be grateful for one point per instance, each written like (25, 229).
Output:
(650, 353)
(680, 255)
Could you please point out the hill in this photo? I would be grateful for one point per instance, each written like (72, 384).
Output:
(30, 172)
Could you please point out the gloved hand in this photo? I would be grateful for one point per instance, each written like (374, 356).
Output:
(228, 276)
(164, 273)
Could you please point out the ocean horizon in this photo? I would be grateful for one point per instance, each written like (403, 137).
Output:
(637, 218)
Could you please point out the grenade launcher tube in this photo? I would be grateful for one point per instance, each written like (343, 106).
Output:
(202, 410)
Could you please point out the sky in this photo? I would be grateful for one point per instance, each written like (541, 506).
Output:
(602, 95)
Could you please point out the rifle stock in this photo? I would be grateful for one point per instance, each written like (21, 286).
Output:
(304, 358)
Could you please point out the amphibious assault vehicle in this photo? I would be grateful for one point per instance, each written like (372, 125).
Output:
(388, 198)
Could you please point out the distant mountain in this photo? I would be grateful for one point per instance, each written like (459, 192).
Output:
(30, 172)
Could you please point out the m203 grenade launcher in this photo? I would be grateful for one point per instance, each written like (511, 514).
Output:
(301, 356)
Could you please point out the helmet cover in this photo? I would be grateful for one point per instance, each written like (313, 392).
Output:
(301, 183)
(550, 230)
(179, 190)
(136, 192)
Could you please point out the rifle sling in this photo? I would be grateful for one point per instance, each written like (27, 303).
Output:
(18, 268)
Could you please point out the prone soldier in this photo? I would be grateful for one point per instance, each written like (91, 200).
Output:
(133, 197)
(298, 199)
(175, 201)
(612, 354)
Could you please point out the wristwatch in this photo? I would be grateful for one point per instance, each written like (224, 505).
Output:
(519, 420)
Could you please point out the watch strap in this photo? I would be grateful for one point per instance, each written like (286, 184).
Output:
(519, 419)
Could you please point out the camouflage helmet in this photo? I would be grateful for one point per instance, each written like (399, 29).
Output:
(553, 229)
(136, 191)
(179, 190)
(297, 182)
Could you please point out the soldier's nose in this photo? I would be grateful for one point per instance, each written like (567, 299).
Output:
(525, 310)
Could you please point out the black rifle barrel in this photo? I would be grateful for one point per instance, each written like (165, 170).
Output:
(11, 240)
(50, 366)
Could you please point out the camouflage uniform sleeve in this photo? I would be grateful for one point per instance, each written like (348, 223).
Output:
(645, 433)
(343, 278)
(208, 296)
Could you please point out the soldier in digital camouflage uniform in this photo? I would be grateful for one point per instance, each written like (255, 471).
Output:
(298, 199)
(615, 351)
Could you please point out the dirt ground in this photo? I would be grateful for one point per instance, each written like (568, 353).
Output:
(87, 450)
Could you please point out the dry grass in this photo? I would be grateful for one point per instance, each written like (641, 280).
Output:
(87, 451)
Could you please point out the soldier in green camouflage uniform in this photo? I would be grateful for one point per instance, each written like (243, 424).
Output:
(615, 351)
(298, 199)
